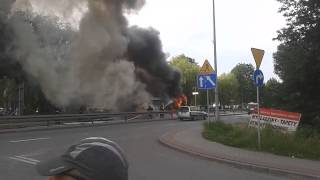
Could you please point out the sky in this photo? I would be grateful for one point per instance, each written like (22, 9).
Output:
(186, 27)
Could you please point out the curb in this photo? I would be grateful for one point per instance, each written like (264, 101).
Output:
(169, 141)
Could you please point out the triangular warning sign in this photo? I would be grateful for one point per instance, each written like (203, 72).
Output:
(257, 55)
(206, 68)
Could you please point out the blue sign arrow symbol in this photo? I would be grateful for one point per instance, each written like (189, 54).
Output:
(201, 81)
(258, 78)
(210, 80)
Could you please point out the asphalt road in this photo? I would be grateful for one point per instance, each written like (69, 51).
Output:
(148, 159)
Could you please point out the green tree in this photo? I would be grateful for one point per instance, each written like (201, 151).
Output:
(12, 74)
(297, 61)
(271, 95)
(228, 89)
(247, 90)
(8, 67)
(189, 70)
(8, 93)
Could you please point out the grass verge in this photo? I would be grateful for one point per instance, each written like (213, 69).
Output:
(302, 144)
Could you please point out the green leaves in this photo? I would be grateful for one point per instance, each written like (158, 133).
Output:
(272, 96)
(189, 70)
(228, 89)
(297, 61)
(244, 74)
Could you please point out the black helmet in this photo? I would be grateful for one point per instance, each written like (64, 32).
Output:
(95, 158)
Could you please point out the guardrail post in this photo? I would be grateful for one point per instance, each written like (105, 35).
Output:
(172, 112)
(126, 118)
(92, 122)
(161, 115)
(48, 123)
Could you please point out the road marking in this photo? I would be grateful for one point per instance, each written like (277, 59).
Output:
(36, 153)
(26, 140)
(28, 159)
(25, 160)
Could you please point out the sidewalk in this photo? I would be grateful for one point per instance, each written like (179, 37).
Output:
(191, 141)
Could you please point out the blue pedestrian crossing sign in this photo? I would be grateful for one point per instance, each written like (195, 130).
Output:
(207, 81)
(258, 78)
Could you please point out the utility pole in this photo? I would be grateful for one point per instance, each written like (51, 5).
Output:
(215, 62)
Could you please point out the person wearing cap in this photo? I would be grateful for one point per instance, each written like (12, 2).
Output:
(92, 158)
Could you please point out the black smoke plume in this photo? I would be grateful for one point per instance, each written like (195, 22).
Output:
(145, 50)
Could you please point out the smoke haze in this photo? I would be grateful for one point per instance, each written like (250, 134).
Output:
(82, 52)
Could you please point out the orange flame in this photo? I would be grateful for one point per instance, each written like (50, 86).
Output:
(180, 101)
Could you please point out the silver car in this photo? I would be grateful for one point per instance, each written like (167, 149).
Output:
(191, 113)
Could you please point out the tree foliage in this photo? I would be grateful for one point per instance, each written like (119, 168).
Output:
(244, 73)
(189, 70)
(8, 66)
(8, 93)
(228, 89)
(271, 95)
(12, 75)
(297, 61)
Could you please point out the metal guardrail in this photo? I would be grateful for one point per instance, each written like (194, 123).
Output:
(12, 122)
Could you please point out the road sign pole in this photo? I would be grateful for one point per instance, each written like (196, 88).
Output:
(216, 97)
(195, 97)
(258, 78)
(208, 106)
(258, 109)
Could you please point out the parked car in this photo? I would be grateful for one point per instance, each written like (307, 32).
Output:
(191, 113)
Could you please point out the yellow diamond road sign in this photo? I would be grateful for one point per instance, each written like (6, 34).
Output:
(206, 68)
(258, 55)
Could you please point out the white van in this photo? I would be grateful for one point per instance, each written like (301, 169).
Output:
(191, 113)
(252, 108)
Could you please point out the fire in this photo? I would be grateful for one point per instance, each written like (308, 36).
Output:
(180, 101)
